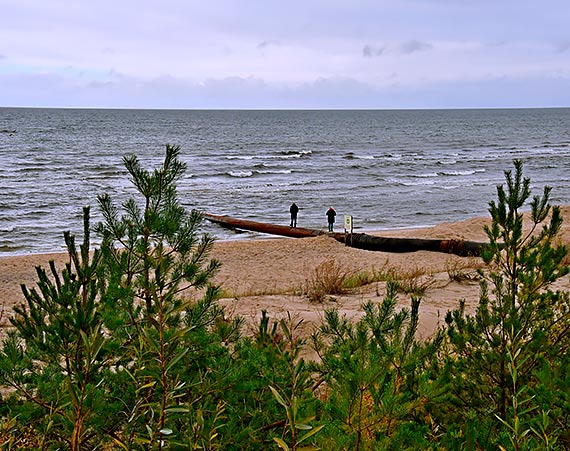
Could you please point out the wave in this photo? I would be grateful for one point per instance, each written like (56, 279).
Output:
(401, 182)
(240, 174)
(553, 145)
(285, 155)
(308, 183)
(392, 156)
(460, 173)
(261, 157)
(353, 156)
(450, 187)
(446, 162)
(107, 174)
(296, 152)
(457, 173)
(12, 249)
(276, 171)
(33, 167)
(240, 157)
(243, 173)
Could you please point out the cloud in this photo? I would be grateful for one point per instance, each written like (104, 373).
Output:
(406, 48)
(168, 92)
(369, 51)
(414, 46)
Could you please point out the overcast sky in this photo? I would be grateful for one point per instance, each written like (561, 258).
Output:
(285, 54)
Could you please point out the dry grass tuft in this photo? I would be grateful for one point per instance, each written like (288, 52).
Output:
(414, 281)
(408, 281)
(464, 269)
(328, 278)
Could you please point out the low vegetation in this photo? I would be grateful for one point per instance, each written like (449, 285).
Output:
(466, 269)
(108, 352)
(328, 278)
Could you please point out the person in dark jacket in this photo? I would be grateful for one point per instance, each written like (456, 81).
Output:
(330, 216)
(293, 210)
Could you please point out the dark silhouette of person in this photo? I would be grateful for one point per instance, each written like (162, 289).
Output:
(293, 210)
(330, 215)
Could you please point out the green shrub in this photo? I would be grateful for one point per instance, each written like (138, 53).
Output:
(520, 327)
(377, 375)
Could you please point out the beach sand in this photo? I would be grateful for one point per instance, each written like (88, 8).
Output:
(270, 274)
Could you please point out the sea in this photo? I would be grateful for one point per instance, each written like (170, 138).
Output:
(388, 169)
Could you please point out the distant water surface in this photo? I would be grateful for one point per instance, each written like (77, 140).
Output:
(389, 169)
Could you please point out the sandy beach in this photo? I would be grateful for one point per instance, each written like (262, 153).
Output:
(270, 274)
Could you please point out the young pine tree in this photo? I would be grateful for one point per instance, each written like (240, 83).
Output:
(108, 349)
(55, 357)
(521, 327)
(152, 254)
(379, 378)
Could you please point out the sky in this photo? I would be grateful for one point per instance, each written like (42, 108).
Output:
(287, 54)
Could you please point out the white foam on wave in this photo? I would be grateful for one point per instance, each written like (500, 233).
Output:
(426, 175)
(460, 173)
(285, 156)
(240, 157)
(363, 157)
(283, 171)
(240, 174)
(403, 182)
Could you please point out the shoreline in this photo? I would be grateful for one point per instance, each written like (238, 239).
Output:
(247, 236)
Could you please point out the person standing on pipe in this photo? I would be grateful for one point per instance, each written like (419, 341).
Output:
(293, 210)
(330, 216)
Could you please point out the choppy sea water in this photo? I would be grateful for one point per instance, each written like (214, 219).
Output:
(388, 169)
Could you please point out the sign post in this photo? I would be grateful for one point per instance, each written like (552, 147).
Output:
(347, 223)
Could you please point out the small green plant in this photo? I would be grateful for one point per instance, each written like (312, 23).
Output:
(297, 429)
(414, 281)
(521, 407)
(10, 436)
(362, 278)
(205, 432)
